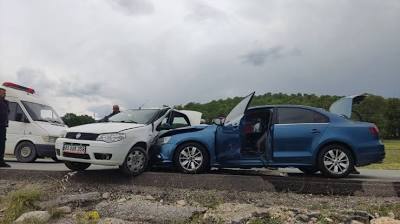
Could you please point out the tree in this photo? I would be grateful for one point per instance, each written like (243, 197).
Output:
(72, 119)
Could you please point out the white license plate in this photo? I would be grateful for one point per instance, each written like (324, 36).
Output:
(76, 149)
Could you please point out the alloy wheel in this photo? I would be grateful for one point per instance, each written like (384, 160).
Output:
(336, 161)
(191, 158)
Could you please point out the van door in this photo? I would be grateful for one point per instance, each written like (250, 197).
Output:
(16, 126)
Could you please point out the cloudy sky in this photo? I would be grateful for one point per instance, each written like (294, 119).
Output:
(85, 55)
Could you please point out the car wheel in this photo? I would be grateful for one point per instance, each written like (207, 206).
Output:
(135, 162)
(335, 161)
(26, 152)
(308, 170)
(192, 158)
(76, 166)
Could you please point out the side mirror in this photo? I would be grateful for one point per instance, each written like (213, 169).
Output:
(164, 127)
(19, 117)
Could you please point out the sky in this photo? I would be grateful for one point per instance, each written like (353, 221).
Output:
(83, 56)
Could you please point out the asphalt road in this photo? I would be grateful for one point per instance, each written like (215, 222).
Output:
(365, 174)
(380, 183)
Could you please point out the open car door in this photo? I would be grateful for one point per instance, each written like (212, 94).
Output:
(344, 106)
(238, 111)
(228, 142)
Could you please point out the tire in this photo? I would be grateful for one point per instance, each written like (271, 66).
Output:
(335, 161)
(135, 162)
(308, 170)
(25, 152)
(192, 158)
(76, 166)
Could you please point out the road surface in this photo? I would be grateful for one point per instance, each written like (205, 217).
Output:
(382, 183)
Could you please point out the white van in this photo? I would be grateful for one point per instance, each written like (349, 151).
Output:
(33, 125)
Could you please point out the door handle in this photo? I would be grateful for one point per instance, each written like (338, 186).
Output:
(315, 131)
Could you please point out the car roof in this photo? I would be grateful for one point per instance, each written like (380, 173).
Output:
(287, 105)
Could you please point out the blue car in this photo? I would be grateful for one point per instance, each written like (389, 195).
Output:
(308, 138)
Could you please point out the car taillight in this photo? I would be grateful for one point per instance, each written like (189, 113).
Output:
(374, 131)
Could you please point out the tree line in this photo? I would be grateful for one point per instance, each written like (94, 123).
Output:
(384, 112)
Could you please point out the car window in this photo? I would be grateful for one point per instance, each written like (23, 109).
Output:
(16, 113)
(299, 115)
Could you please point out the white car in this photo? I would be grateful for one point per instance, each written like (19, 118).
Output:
(124, 141)
(33, 125)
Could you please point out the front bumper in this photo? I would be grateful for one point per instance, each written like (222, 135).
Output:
(45, 150)
(99, 153)
(161, 155)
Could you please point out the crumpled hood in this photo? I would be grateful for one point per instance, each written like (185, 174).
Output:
(52, 129)
(183, 130)
(99, 128)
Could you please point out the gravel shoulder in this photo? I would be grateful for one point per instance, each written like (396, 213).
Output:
(111, 203)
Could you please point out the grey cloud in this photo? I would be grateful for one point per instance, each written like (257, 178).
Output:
(261, 56)
(202, 12)
(77, 89)
(100, 110)
(42, 82)
(35, 78)
(134, 7)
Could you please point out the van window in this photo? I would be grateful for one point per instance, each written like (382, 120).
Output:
(16, 113)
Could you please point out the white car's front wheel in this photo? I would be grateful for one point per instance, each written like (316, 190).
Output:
(135, 162)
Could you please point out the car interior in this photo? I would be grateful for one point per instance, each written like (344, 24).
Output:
(253, 131)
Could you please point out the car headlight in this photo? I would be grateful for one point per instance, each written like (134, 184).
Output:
(49, 139)
(164, 140)
(111, 137)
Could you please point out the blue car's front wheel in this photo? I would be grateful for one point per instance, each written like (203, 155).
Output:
(192, 158)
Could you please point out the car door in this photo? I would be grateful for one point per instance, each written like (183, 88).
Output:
(16, 126)
(296, 133)
(228, 135)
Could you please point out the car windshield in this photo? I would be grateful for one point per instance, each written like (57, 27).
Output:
(137, 116)
(40, 112)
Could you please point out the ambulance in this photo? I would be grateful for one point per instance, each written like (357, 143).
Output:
(33, 127)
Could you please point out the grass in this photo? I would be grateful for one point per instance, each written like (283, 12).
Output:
(392, 158)
(20, 201)
(382, 210)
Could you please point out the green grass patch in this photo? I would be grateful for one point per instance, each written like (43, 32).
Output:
(382, 210)
(20, 201)
(392, 158)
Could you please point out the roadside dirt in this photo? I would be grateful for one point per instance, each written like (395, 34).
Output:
(208, 206)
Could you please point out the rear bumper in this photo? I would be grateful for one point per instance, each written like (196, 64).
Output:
(45, 150)
(376, 155)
